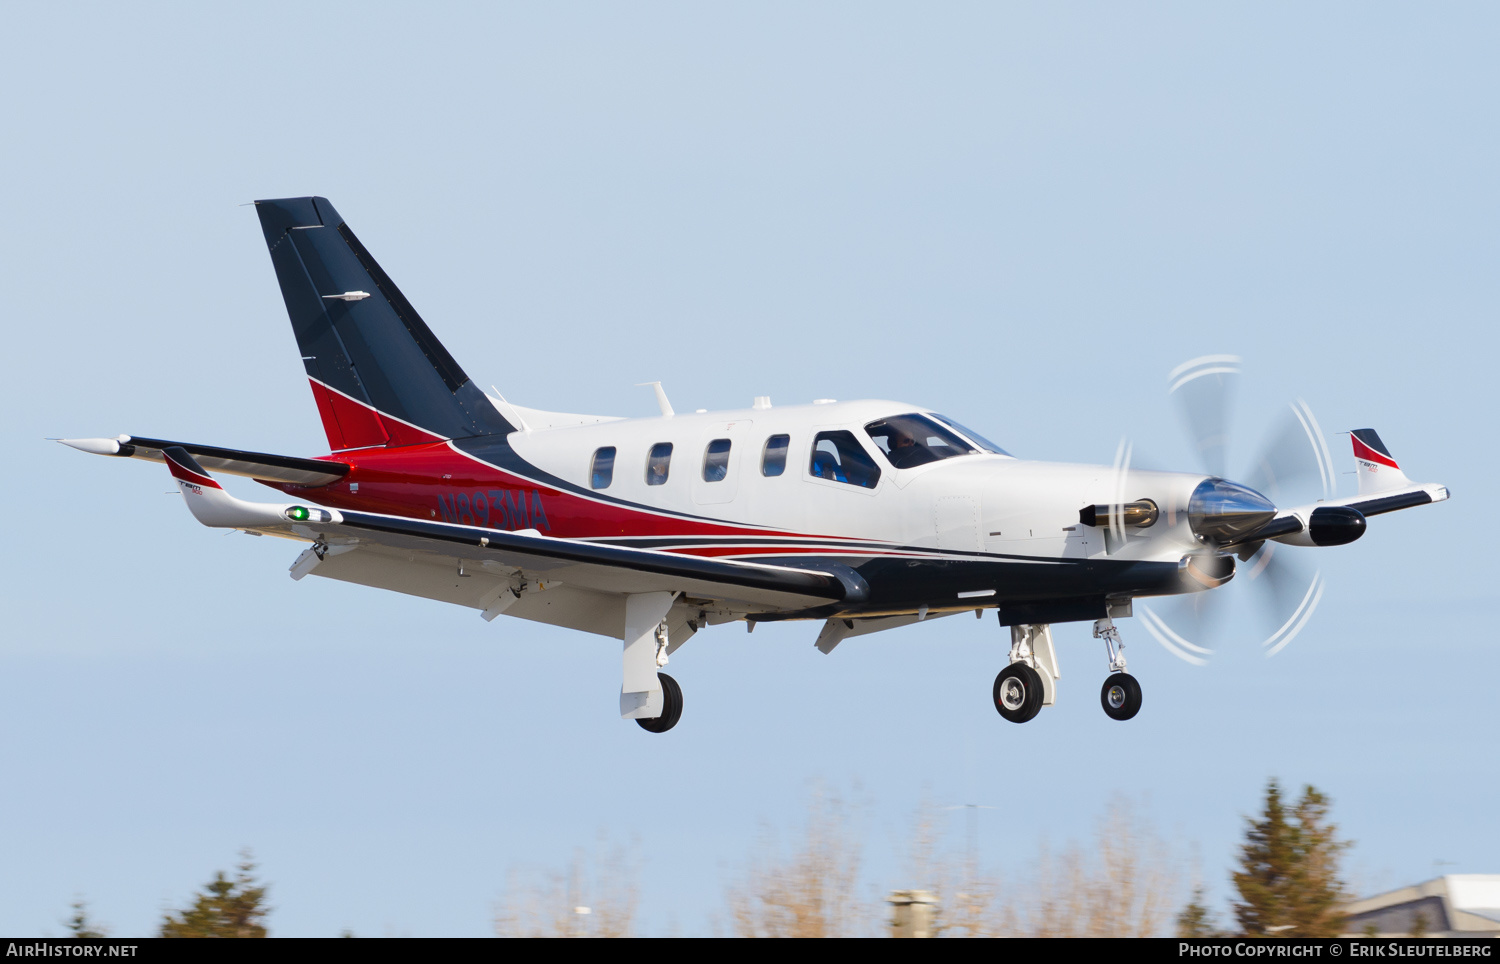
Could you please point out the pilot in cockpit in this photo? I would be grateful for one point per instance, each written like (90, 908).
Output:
(904, 452)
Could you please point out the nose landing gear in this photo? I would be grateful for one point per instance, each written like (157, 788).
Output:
(1121, 694)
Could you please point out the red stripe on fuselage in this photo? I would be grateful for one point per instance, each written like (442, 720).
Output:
(1364, 452)
(435, 481)
(411, 472)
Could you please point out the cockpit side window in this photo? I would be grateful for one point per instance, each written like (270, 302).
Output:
(913, 440)
(840, 457)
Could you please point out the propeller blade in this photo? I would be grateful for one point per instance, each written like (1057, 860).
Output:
(1294, 590)
(1294, 459)
(1201, 390)
(1184, 623)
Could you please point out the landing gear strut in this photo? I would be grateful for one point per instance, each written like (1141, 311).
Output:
(650, 697)
(1121, 694)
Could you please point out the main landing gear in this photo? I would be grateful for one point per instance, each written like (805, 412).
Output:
(1018, 692)
(671, 710)
(1030, 681)
(650, 697)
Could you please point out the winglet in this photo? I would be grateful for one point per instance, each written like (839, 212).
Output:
(1378, 471)
(212, 506)
(185, 468)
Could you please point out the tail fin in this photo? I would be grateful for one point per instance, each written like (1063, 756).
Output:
(1378, 472)
(378, 373)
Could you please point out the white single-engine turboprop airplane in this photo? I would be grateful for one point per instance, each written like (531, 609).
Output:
(863, 515)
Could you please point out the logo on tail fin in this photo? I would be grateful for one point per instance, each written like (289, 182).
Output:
(1369, 449)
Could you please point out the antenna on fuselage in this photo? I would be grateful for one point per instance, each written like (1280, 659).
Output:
(661, 398)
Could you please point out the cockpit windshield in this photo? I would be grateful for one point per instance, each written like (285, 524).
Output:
(912, 440)
(972, 435)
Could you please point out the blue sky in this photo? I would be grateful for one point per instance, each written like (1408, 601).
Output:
(1022, 216)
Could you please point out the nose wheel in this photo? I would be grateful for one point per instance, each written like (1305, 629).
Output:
(1121, 696)
(1018, 693)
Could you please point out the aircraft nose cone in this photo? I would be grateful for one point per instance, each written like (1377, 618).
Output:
(1222, 511)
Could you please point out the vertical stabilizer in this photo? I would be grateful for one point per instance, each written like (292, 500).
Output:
(378, 373)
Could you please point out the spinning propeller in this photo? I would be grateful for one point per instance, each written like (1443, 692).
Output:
(1293, 467)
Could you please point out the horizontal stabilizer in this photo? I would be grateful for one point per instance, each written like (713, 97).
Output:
(253, 465)
(212, 506)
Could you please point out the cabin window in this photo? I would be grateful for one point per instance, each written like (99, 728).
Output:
(912, 440)
(840, 457)
(716, 460)
(773, 460)
(602, 472)
(658, 462)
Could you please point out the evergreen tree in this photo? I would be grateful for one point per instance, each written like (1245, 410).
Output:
(1265, 868)
(1318, 893)
(1288, 879)
(1196, 920)
(225, 908)
(80, 925)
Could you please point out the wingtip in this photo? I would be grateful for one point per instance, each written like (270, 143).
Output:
(94, 446)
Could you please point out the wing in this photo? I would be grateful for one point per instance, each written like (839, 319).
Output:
(567, 582)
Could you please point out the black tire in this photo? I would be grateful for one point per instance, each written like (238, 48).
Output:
(1121, 696)
(1018, 693)
(671, 710)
